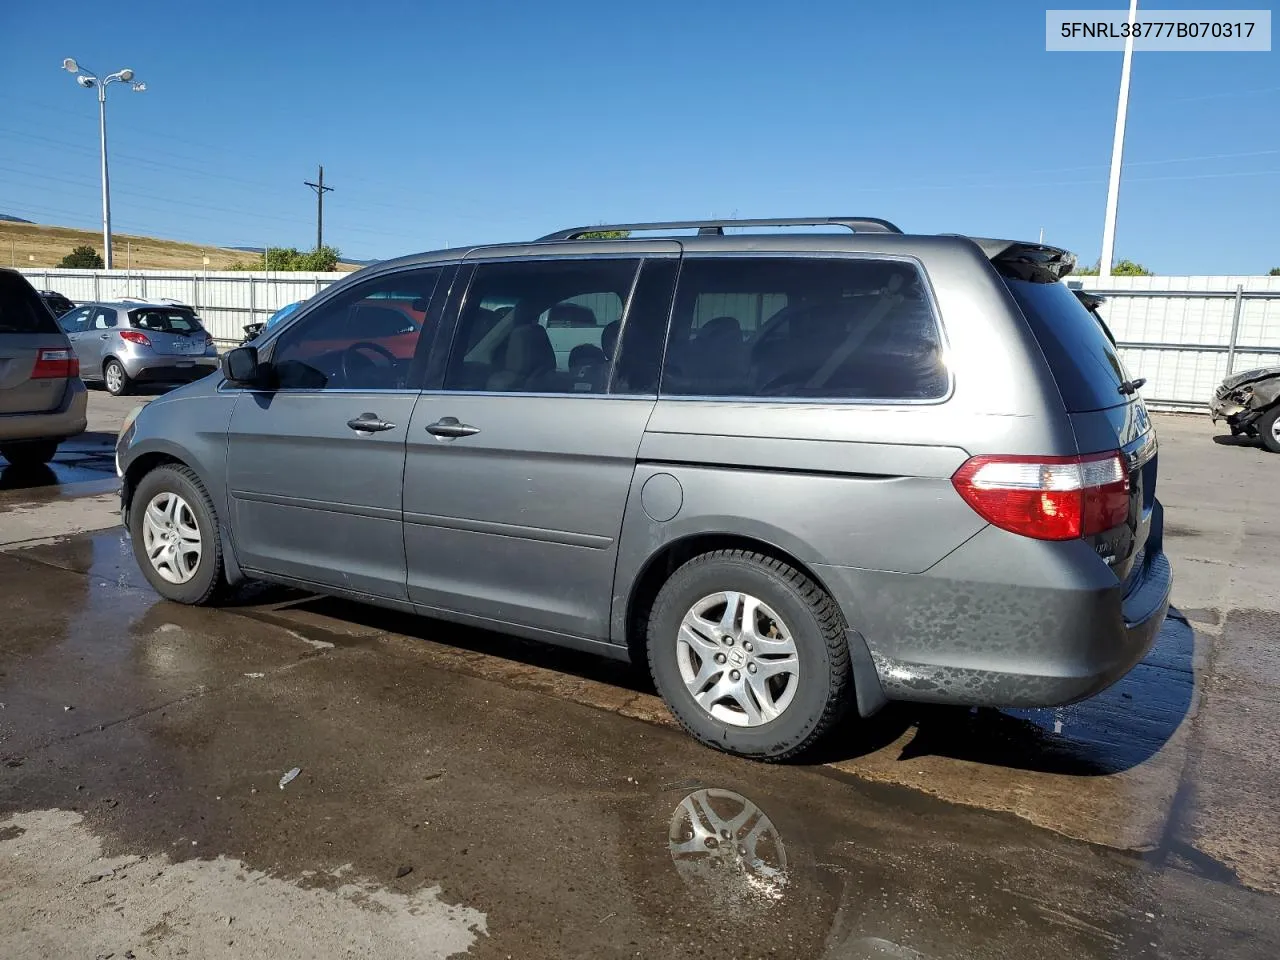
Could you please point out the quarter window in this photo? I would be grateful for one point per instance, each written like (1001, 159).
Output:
(540, 326)
(363, 339)
(795, 328)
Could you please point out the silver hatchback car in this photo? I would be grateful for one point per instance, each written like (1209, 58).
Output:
(792, 473)
(121, 343)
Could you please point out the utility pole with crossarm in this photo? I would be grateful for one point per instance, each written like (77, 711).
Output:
(320, 190)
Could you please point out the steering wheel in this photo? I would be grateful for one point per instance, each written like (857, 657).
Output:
(354, 351)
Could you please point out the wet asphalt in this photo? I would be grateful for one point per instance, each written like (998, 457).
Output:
(550, 792)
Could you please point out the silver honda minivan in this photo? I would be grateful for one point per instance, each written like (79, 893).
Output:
(793, 472)
(42, 399)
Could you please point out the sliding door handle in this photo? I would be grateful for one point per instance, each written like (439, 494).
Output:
(450, 427)
(370, 423)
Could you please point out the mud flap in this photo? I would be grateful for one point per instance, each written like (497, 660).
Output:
(866, 681)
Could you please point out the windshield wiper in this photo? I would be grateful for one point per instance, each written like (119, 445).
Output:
(1128, 387)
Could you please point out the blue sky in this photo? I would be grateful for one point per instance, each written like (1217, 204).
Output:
(487, 121)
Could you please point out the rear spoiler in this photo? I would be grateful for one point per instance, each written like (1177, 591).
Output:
(1028, 261)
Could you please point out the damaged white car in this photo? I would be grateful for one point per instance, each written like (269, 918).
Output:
(1249, 403)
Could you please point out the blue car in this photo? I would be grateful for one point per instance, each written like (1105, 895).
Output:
(254, 330)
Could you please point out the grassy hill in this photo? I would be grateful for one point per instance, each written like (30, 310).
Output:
(36, 245)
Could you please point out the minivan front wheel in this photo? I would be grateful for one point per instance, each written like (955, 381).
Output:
(750, 654)
(116, 379)
(175, 535)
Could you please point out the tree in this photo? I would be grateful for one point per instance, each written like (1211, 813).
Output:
(606, 235)
(82, 257)
(321, 259)
(1275, 272)
(1122, 268)
(1127, 268)
(284, 259)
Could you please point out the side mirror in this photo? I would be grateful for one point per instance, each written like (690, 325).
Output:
(241, 366)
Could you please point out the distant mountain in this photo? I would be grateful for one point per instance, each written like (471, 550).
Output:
(5, 216)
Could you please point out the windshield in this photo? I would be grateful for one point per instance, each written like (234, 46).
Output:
(167, 320)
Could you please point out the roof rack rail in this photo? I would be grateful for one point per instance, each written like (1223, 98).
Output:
(716, 227)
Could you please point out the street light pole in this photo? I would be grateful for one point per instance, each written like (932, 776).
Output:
(106, 180)
(1117, 153)
(89, 80)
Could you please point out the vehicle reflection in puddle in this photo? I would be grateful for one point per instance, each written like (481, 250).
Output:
(730, 854)
(727, 850)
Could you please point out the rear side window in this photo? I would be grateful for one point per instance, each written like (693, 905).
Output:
(791, 328)
(21, 309)
(540, 326)
(166, 321)
(1082, 358)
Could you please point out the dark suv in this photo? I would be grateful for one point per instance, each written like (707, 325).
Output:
(56, 302)
(791, 473)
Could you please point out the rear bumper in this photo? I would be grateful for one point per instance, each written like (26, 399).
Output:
(69, 420)
(1047, 634)
(169, 370)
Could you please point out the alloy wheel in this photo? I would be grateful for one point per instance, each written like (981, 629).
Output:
(737, 659)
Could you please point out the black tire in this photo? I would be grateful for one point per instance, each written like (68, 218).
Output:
(824, 688)
(1267, 429)
(126, 384)
(209, 581)
(29, 453)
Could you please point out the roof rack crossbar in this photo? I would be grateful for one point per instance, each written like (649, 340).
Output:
(717, 227)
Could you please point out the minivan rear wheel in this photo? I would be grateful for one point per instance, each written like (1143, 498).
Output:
(750, 654)
(174, 530)
(117, 381)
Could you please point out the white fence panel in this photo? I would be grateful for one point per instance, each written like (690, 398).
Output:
(1184, 334)
(226, 301)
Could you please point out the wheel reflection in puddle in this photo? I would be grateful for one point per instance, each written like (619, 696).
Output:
(726, 848)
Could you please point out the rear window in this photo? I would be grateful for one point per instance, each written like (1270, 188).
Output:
(794, 328)
(166, 321)
(21, 309)
(1081, 356)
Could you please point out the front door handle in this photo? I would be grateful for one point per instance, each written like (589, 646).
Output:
(451, 427)
(370, 423)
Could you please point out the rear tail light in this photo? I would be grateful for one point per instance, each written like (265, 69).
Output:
(55, 363)
(1048, 498)
(133, 336)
